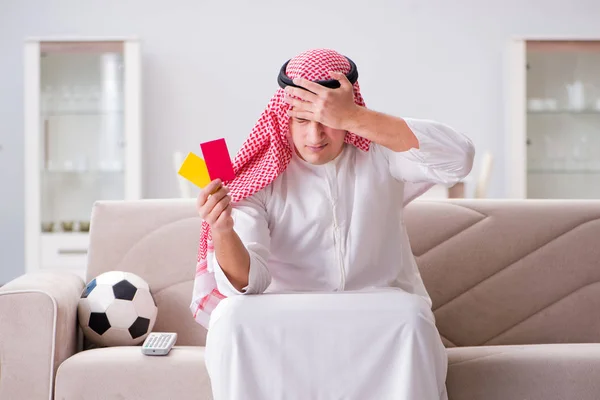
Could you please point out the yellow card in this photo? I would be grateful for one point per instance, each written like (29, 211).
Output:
(194, 170)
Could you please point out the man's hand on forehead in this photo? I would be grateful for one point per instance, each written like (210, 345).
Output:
(334, 108)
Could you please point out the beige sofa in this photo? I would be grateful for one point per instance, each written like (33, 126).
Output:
(514, 285)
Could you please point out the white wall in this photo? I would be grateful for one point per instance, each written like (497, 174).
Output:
(210, 67)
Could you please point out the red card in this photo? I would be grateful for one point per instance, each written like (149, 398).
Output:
(218, 161)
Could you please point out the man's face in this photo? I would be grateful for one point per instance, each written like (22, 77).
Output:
(315, 143)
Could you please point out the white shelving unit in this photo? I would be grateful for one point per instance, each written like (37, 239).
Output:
(553, 118)
(82, 141)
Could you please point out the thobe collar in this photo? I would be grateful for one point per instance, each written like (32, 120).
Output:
(323, 167)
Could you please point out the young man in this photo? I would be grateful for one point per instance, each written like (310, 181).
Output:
(313, 223)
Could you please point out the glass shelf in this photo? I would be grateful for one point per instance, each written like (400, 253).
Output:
(82, 171)
(564, 112)
(564, 171)
(66, 234)
(81, 113)
(83, 167)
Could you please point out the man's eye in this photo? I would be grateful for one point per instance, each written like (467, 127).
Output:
(301, 120)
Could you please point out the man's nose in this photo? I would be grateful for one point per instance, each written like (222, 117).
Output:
(315, 132)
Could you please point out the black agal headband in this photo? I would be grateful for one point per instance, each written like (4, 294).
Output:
(283, 80)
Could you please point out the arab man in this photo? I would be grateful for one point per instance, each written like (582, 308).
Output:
(305, 278)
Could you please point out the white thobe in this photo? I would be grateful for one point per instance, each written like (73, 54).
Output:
(335, 232)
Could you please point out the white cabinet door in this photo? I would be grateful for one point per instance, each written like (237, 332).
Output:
(82, 141)
(553, 119)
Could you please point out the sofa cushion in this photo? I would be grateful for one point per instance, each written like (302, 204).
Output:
(125, 373)
(549, 372)
(533, 372)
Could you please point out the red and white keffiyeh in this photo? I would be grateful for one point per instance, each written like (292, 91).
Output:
(264, 155)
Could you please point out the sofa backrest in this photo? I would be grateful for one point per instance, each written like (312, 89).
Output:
(498, 271)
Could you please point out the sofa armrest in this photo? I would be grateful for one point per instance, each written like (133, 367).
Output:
(38, 331)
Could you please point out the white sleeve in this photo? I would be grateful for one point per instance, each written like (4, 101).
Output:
(250, 223)
(444, 157)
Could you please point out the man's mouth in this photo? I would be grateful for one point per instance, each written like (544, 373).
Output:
(316, 148)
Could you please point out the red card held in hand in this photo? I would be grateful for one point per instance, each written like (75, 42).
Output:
(218, 161)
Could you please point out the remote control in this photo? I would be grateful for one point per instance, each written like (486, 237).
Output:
(159, 343)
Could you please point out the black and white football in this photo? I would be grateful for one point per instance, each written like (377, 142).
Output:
(116, 309)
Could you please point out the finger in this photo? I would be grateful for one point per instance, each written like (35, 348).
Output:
(299, 105)
(215, 197)
(302, 115)
(342, 78)
(213, 186)
(212, 200)
(212, 213)
(301, 93)
(311, 86)
(228, 210)
(218, 209)
(224, 215)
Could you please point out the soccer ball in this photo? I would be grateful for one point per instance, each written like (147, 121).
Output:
(116, 309)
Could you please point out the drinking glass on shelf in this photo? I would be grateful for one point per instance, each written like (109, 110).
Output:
(580, 152)
(555, 153)
(576, 95)
(64, 101)
(550, 104)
